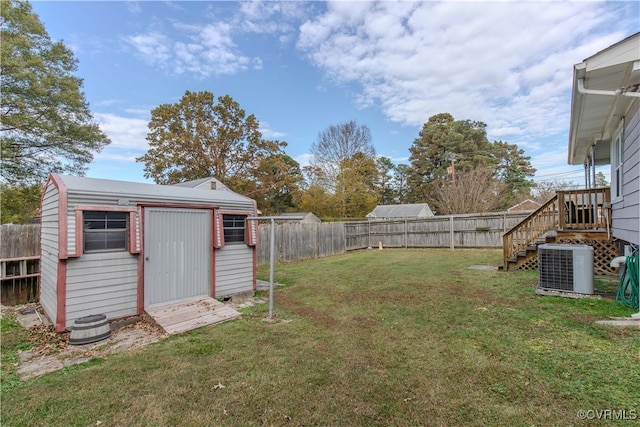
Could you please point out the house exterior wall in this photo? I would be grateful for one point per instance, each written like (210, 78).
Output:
(625, 211)
(49, 251)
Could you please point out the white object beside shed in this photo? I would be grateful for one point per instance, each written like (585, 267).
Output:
(116, 247)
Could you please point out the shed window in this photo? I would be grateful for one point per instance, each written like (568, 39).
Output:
(105, 231)
(234, 228)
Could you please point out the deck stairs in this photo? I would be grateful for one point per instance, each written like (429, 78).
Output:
(527, 258)
(570, 216)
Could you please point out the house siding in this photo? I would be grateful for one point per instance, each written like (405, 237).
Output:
(49, 251)
(234, 269)
(626, 211)
(101, 283)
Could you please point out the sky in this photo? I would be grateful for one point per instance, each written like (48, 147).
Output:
(301, 67)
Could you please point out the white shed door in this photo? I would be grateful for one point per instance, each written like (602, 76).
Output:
(177, 251)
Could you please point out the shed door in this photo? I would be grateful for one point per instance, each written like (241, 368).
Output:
(177, 251)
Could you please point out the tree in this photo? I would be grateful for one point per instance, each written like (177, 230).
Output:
(385, 182)
(400, 182)
(513, 168)
(601, 180)
(276, 184)
(19, 204)
(447, 148)
(357, 192)
(318, 200)
(543, 191)
(336, 144)
(46, 125)
(472, 191)
(197, 138)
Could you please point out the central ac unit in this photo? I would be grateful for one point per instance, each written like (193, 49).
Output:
(566, 268)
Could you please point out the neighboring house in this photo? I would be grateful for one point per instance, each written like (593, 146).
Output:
(204, 184)
(525, 206)
(409, 211)
(117, 248)
(307, 217)
(605, 128)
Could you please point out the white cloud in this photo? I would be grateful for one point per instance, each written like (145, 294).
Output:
(304, 159)
(269, 133)
(201, 50)
(125, 132)
(210, 49)
(153, 47)
(504, 63)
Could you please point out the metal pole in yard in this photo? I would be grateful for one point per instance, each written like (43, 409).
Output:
(272, 251)
(272, 263)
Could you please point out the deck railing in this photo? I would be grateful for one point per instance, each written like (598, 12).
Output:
(584, 209)
(587, 209)
(532, 228)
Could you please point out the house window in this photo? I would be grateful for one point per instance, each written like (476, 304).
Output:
(234, 228)
(105, 231)
(616, 167)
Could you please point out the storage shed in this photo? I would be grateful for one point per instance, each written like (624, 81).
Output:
(408, 211)
(118, 248)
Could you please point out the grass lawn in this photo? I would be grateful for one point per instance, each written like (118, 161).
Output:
(371, 338)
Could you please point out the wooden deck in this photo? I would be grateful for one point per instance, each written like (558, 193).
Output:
(581, 216)
(187, 315)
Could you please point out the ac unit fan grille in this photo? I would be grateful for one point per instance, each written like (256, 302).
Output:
(556, 269)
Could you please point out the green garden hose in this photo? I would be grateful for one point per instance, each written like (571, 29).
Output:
(628, 294)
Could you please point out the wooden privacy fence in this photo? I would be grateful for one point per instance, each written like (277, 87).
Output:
(296, 241)
(450, 231)
(19, 263)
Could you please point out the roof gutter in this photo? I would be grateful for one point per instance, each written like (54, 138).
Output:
(621, 91)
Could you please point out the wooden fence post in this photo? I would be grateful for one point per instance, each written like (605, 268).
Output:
(451, 234)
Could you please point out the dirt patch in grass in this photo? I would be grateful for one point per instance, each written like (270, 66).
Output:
(308, 312)
(46, 350)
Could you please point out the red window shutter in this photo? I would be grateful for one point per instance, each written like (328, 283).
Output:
(251, 234)
(218, 230)
(135, 238)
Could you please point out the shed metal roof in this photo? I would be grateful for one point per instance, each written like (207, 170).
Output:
(144, 191)
(415, 210)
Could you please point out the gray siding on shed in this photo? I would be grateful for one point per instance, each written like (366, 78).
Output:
(102, 283)
(234, 269)
(626, 211)
(49, 252)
